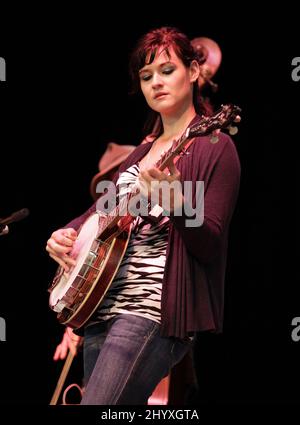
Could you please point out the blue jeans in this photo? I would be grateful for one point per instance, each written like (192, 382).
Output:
(125, 358)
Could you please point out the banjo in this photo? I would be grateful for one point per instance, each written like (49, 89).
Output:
(103, 238)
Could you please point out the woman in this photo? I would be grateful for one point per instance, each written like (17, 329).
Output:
(170, 283)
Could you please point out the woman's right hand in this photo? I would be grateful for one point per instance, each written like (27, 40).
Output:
(60, 245)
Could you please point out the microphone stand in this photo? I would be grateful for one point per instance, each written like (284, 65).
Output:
(16, 216)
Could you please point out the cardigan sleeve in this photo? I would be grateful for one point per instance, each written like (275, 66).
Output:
(221, 187)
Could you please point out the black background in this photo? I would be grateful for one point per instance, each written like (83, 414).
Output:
(65, 98)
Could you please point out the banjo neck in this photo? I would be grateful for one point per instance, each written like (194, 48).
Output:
(222, 119)
(121, 210)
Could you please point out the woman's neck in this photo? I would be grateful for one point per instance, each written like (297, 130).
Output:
(174, 126)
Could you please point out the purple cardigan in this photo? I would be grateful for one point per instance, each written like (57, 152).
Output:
(193, 283)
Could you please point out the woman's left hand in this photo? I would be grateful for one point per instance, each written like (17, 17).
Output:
(162, 189)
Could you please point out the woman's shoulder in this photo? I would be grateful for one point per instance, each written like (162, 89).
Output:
(149, 139)
(213, 150)
(214, 142)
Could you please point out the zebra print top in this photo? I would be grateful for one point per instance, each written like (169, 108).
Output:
(136, 288)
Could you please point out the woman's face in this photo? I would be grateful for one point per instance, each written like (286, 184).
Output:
(167, 84)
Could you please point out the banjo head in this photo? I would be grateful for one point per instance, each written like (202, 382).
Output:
(80, 252)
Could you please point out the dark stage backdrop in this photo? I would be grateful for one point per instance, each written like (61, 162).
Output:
(65, 98)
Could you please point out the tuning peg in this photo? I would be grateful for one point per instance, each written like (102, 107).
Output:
(232, 130)
(214, 138)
